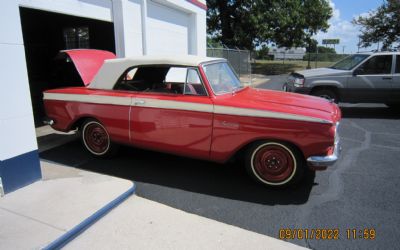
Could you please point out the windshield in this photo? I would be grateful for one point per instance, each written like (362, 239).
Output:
(350, 62)
(222, 78)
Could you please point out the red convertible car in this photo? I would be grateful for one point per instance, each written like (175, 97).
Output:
(195, 107)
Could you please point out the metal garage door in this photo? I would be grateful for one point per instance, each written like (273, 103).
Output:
(167, 30)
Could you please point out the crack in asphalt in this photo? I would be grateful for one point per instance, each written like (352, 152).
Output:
(335, 188)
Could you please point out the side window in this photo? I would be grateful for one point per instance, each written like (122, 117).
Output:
(193, 84)
(161, 79)
(397, 70)
(377, 65)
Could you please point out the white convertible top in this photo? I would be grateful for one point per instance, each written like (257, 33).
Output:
(112, 69)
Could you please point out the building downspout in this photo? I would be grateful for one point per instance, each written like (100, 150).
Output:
(144, 26)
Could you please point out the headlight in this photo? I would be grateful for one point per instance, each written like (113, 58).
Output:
(299, 82)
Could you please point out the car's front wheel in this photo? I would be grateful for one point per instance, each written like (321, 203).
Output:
(274, 163)
(96, 139)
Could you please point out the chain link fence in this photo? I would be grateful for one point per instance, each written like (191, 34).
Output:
(279, 63)
(239, 59)
(316, 59)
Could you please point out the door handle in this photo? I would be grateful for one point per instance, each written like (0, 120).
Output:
(386, 78)
(138, 102)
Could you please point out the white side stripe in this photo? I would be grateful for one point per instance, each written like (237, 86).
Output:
(189, 106)
(100, 99)
(263, 113)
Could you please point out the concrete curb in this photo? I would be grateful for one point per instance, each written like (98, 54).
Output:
(85, 224)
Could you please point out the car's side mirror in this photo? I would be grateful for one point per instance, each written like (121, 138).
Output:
(358, 71)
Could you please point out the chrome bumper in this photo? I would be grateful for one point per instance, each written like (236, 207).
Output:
(48, 121)
(328, 160)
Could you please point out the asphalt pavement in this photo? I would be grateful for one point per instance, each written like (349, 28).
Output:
(359, 192)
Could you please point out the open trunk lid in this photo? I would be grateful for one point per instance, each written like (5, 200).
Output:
(88, 61)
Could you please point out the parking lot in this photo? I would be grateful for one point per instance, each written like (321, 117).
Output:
(359, 192)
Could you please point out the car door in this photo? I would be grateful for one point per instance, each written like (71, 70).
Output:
(395, 97)
(372, 80)
(178, 121)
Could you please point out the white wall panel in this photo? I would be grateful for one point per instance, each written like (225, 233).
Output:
(167, 30)
(132, 28)
(17, 131)
(17, 137)
(201, 31)
(14, 87)
(95, 9)
(10, 23)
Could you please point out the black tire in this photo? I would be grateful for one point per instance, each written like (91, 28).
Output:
(96, 140)
(274, 164)
(326, 94)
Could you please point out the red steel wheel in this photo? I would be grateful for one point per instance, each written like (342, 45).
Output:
(96, 138)
(273, 163)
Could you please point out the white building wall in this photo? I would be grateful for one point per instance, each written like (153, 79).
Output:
(167, 30)
(16, 119)
(166, 27)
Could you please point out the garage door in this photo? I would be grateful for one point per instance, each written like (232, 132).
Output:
(167, 30)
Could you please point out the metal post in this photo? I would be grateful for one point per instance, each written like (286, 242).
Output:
(284, 56)
(309, 55)
(1, 188)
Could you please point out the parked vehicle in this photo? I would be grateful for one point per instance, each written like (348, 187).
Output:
(359, 78)
(196, 107)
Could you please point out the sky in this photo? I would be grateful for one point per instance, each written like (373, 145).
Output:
(340, 24)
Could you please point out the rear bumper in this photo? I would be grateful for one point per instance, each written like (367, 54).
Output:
(48, 121)
(321, 162)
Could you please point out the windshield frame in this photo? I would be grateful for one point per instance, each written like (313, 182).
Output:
(234, 90)
(354, 66)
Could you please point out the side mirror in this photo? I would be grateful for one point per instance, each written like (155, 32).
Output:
(358, 71)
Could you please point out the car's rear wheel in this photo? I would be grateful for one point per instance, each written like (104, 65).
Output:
(274, 163)
(327, 94)
(96, 139)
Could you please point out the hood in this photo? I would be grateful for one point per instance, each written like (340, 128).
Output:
(282, 102)
(88, 61)
(319, 72)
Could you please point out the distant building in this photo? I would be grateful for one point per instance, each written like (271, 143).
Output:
(284, 53)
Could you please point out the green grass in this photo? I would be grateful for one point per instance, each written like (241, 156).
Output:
(268, 67)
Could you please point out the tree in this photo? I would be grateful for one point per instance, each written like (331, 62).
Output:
(312, 48)
(249, 23)
(381, 25)
(321, 49)
(326, 50)
(262, 52)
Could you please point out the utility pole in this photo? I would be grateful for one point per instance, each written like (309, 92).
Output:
(343, 49)
(309, 54)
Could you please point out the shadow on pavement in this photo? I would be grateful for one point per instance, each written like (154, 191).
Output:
(370, 112)
(222, 180)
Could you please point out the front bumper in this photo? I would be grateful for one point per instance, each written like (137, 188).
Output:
(287, 87)
(325, 161)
